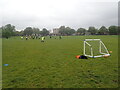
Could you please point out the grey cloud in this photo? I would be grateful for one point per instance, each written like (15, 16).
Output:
(79, 14)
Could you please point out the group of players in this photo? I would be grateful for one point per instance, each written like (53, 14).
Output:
(38, 37)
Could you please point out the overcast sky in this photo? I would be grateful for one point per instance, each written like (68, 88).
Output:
(55, 13)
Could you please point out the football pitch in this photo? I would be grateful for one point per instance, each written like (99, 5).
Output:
(52, 64)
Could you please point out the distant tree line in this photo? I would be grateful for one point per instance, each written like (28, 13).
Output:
(31, 31)
(112, 30)
(9, 30)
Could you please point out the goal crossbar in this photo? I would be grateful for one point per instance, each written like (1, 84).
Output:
(91, 39)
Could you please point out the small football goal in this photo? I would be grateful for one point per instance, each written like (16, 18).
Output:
(95, 48)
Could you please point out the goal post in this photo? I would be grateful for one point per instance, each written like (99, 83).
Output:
(95, 48)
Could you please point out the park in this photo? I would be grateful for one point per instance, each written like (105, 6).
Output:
(52, 64)
(59, 44)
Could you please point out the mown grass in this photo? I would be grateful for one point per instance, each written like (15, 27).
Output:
(0, 63)
(52, 64)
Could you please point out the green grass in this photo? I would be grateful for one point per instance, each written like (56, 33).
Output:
(52, 64)
(0, 63)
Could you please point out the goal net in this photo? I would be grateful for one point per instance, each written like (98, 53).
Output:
(95, 48)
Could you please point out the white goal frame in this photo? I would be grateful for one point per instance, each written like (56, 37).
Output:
(91, 49)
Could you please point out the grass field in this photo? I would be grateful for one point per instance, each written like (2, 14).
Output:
(0, 63)
(52, 64)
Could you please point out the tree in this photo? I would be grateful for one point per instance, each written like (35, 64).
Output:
(118, 30)
(72, 31)
(81, 31)
(44, 32)
(8, 30)
(66, 30)
(103, 30)
(113, 30)
(62, 30)
(0, 32)
(69, 31)
(36, 31)
(17, 33)
(92, 30)
(21, 33)
(28, 31)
